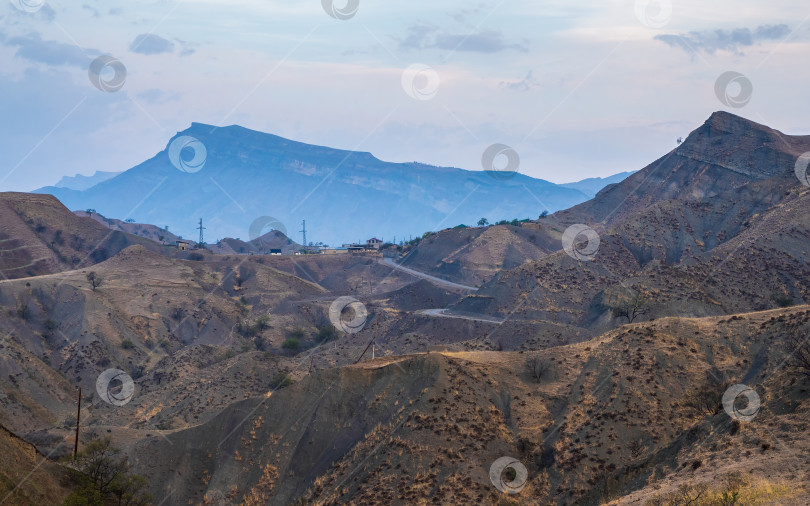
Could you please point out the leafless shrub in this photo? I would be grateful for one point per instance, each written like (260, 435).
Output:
(537, 368)
(631, 308)
(797, 347)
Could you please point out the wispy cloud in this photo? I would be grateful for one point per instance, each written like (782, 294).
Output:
(33, 48)
(149, 43)
(422, 36)
(724, 40)
(524, 84)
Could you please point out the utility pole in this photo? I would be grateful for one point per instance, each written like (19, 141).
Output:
(304, 231)
(201, 228)
(78, 418)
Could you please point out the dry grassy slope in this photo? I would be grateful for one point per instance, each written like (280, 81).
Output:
(145, 230)
(358, 275)
(161, 307)
(472, 255)
(26, 476)
(38, 235)
(667, 255)
(610, 417)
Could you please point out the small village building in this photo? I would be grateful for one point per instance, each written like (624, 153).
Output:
(182, 245)
(373, 243)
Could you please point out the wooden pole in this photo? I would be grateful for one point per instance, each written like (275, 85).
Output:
(78, 419)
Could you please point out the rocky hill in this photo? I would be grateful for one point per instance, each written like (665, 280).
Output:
(603, 418)
(41, 236)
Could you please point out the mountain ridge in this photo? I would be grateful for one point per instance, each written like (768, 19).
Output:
(345, 196)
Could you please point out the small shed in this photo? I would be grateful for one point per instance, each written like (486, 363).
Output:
(182, 245)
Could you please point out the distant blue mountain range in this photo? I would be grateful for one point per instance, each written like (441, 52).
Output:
(232, 176)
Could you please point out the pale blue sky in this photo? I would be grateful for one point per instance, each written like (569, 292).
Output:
(579, 89)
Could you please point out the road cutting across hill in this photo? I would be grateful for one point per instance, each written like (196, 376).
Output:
(433, 279)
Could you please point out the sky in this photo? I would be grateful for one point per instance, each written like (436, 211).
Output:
(577, 89)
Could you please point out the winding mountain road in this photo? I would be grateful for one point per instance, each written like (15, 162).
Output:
(443, 313)
(433, 279)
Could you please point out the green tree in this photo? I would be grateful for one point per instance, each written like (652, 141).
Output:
(326, 333)
(483, 222)
(102, 476)
(94, 279)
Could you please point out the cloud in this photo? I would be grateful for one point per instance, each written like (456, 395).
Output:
(524, 84)
(723, 40)
(33, 48)
(149, 43)
(487, 41)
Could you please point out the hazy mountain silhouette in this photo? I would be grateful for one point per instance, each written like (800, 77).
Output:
(344, 195)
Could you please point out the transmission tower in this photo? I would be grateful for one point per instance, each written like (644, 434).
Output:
(201, 228)
(304, 231)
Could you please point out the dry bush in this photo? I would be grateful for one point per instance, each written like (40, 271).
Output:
(537, 368)
(797, 347)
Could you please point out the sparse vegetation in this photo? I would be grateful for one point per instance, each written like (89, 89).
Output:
(734, 489)
(101, 476)
(631, 308)
(783, 300)
(537, 368)
(281, 380)
(291, 344)
(94, 279)
(797, 347)
(23, 311)
(326, 333)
